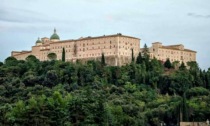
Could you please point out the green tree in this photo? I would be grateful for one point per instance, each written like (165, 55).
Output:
(52, 56)
(198, 108)
(103, 62)
(31, 58)
(145, 51)
(11, 61)
(197, 92)
(208, 79)
(63, 55)
(156, 66)
(175, 65)
(30, 80)
(1, 64)
(132, 55)
(185, 109)
(146, 57)
(167, 64)
(51, 78)
(32, 63)
(139, 59)
(64, 93)
(193, 65)
(182, 66)
(181, 81)
(130, 87)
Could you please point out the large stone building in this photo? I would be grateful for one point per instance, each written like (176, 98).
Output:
(116, 48)
(172, 52)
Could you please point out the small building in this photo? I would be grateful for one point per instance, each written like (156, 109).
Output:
(172, 52)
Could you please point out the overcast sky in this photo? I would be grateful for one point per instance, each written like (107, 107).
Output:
(184, 22)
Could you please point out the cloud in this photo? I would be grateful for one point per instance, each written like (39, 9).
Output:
(14, 15)
(198, 15)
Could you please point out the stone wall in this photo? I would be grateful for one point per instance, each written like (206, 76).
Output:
(193, 124)
(109, 60)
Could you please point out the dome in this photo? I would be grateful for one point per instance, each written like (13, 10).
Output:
(54, 36)
(38, 41)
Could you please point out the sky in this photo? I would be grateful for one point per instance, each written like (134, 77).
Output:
(184, 22)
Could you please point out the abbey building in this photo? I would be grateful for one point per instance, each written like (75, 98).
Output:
(116, 48)
(172, 52)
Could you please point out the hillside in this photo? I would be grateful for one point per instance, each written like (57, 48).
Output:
(63, 93)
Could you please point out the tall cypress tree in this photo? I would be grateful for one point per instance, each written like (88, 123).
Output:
(63, 55)
(207, 80)
(132, 55)
(139, 59)
(182, 67)
(146, 56)
(103, 60)
(167, 64)
(145, 49)
(185, 111)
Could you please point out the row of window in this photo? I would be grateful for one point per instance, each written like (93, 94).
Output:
(175, 57)
(89, 55)
(61, 47)
(172, 60)
(68, 46)
(105, 47)
(96, 43)
(175, 52)
(68, 50)
(45, 47)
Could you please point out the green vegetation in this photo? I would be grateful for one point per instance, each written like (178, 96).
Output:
(64, 94)
(132, 56)
(168, 64)
(63, 55)
(52, 56)
(103, 62)
(182, 66)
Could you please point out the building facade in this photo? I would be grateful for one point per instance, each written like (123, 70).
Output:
(172, 52)
(116, 48)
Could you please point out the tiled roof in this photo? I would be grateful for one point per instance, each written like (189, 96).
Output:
(89, 37)
(172, 48)
(22, 52)
(156, 43)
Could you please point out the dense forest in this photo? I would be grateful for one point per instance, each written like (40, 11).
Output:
(145, 92)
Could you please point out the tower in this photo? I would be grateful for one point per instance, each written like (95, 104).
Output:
(54, 37)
